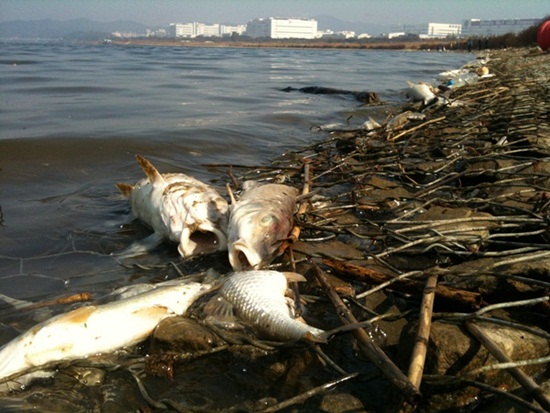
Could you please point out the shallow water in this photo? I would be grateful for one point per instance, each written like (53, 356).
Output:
(73, 116)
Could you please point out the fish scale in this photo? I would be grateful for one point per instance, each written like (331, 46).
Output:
(258, 297)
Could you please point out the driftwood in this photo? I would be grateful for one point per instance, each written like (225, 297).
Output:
(453, 295)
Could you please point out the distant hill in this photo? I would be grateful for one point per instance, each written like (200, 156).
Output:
(54, 29)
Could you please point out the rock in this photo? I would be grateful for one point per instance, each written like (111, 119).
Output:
(453, 351)
(494, 277)
(328, 249)
(341, 403)
(180, 334)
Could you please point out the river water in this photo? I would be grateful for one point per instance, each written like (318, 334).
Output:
(73, 116)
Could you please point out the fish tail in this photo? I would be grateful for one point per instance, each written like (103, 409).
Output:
(126, 189)
(149, 169)
(318, 336)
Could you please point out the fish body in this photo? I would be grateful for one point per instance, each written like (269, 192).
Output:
(258, 298)
(93, 330)
(420, 92)
(179, 208)
(259, 222)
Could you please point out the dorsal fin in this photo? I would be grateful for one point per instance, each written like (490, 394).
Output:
(126, 189)
(149, 169)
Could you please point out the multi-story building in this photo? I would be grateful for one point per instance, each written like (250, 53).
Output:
(229, 30)
(282, 28)
(195, 29)
(182, 30)
(434, 30)
(477, 27)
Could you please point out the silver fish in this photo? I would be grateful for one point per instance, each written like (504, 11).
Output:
(259, 222)
(96, 329)
(420, 92)
(258, 298)
(179, 208)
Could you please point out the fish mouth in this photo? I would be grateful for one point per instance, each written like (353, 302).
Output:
(243, 257)
(205, 239)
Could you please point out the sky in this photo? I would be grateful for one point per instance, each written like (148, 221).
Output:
(164, 12)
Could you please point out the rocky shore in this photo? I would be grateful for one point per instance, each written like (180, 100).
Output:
(434, 228)
(428, 224)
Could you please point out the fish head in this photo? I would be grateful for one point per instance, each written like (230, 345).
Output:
(259, 239)
(203, 238)
(198, 220)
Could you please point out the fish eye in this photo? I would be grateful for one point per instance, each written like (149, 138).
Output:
(267, 219)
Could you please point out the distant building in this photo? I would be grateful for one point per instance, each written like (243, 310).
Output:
(329, 34)
(434, 30)
(477, 27)
(393, 35)
(229, 30)
(282, 28)
(190, 30)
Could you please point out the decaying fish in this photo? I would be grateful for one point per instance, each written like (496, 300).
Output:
(258, 298)
(179, 208)
(399, 121)
(259, 222)
(420, 92)
(93, 330)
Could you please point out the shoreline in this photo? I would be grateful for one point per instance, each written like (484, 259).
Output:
(427, 45)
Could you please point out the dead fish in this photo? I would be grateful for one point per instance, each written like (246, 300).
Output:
(97, 329)
(179, 208)
(399, 121)
(370, 124)
(420, 92)
(258, 298)
(259, 222)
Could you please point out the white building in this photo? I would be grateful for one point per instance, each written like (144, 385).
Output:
(477, 27)
(190, 30)
(229, 30)
(434, 30)
(282, 28)
(182, 30)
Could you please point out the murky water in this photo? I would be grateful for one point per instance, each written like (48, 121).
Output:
(73, 117)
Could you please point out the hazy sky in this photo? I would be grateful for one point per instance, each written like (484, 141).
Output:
(163, 12)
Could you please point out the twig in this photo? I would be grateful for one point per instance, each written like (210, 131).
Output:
(396, 377)
(310, 393)
(526, 382)
(420, 349)
(393, 138)
(436, 380)
(508, 365)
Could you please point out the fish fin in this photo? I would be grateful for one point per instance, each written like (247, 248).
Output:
(126, 189)
(219, 309)
(294, 277)
(141, 247)
(149, 169)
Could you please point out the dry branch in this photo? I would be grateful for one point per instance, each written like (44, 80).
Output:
(420, 349)
(396, 377)
(527, 382)
(449, 294)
